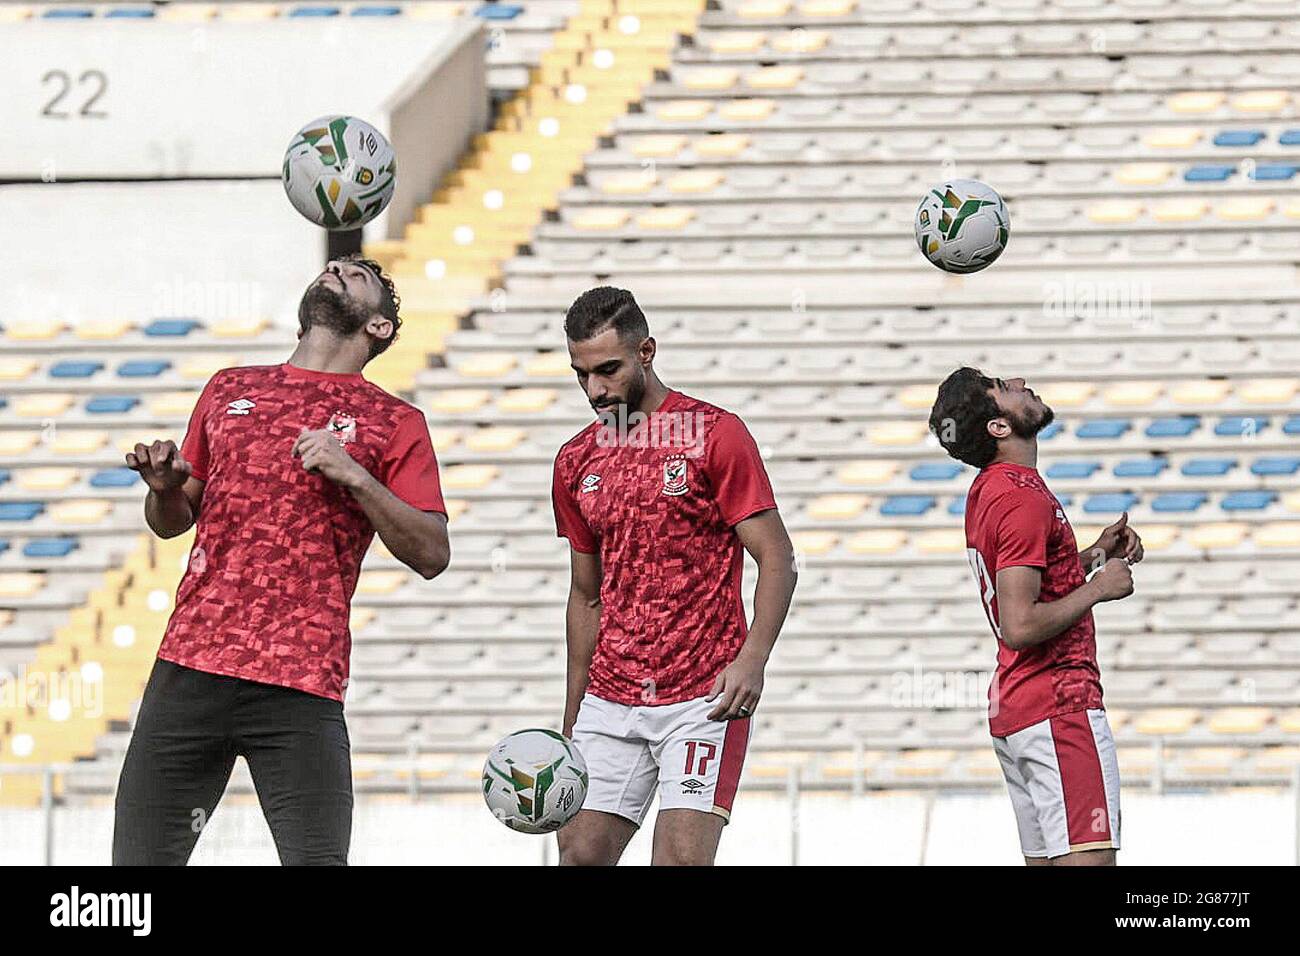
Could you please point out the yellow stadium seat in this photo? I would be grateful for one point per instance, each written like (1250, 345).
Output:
(1277, 760)
(658, 147)
(1134, 761)
(1240, 720)
(443, 439)
(1217, 536)
(469, 477)
(814, 542)
(897, 433)
(1179, 210)
(876, 541)
(917, 396)
(432, 10)
(874, 471)
(34, 330)
(1196, 101)
(1289, 721)
(200, 368)
(15, 369)
(1066, 394)
(187, 12)
(527, 401)
(42, 405)
(21, 584)
(665, 218)
(941, 541)
(1267, 391)
(244, 327)
(485, 365)
(1143, 174)
(1279, 534)
(837, 507)
(1199, 392)
(456, 508)
(763, 9)
(1115, 211)
(924, 763)
(1245, 208)
(102, 329)
(1210, 761)
(79, 511)
(13, 14)
(684, 111)
(774, 78)
(459, 401)
(720, 145)
(1132, 393)
(549, 365)
(249, 11)
(17, 443)
(827, 8)
(173, 403)
(597, 219)
(77, 441)
(381, 582)
(494, 440)
(1158, 537)
(628, 184)
(801, 41)
(46, 479)
(1174, 137)
(694, 181)
(1262, 101)
(747, 110)
(747, 41)
(359, 618)
(710, 78)
(1166, 722)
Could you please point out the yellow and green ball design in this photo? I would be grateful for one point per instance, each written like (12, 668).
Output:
(339, 172)
(962, 225)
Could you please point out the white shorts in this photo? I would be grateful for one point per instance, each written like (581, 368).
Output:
(1063, 778)
(694, 762)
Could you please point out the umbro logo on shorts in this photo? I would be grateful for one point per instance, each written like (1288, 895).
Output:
(690, 786)
(240, 406)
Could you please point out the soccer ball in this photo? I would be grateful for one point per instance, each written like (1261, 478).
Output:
(534, 781)
(962, 225)
(339, 172)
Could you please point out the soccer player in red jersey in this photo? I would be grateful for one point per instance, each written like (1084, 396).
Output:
(1045, 709)
(659, 498)
(288, 471)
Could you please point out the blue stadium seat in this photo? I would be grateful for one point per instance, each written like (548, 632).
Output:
(1240, 425)
(1208, 467)
(1104, 428)
(1065, 500)
(1140, 468)
(935, 471)
(907, 505)
(49, 547)
(4, 545)
(1238, 137)
(499, 11)
(75, 369)
(1290, 137)
(114, 478)
(1209, 173)
(314, 12)
(171, 326)
(957, 507)
(376, 11)
(1276, 465)
(4, 476)
(1179, 501)
(112, 404)
(4, 402)
(129, 13)
(1110, 503)
(1051, 431)
(1073, 469)
(20, 510)
(1292, 426)
(68, 13)
(1273, 172)
(1248, 500)
(143, 368)
(1179, 427)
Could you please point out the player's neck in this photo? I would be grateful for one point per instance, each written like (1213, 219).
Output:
(655, 393)
(319, 352)
(1018, 451)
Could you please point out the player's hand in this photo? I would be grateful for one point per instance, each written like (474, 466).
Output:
(737, 689)
(322, 454)
(1120, 541)
(160, 465)
(1114, 580)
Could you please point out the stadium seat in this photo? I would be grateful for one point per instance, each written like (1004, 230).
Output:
(1207, 467)
(1248, 500)
(1140, 468)
(1103, 428)
(1172, 427)
(1275, 465)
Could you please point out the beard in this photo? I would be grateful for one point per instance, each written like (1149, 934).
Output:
(332, 309)
(635, 392)
(1028, 426)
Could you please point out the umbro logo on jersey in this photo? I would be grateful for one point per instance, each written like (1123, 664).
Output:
(590, 483)
(240, 406)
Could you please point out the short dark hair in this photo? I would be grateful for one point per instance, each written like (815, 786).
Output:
(389, 301)
(606, 307)
(961, 415)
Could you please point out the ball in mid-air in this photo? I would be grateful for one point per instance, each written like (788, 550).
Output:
(534, 781)
(339, 172)
(962, 225)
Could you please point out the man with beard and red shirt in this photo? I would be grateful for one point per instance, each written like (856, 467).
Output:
(1045, 705)
(660, 498)
(288, 471)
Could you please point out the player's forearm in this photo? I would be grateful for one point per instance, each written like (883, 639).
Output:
(773, 592)
(417, 539)
(1041, 621)
(582, 626)
(168, 513)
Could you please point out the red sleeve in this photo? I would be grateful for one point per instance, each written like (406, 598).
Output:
(1021, 524)
(408, 467)
(735, 470)
(194, 448)
(569, 522)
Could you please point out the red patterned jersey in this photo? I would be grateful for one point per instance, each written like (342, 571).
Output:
(1012, 520)
(659, 506)
(278, 550)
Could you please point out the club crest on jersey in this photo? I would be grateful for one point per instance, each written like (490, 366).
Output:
(675, 475)
(240, 406)
(343, 427)
(590, 483)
